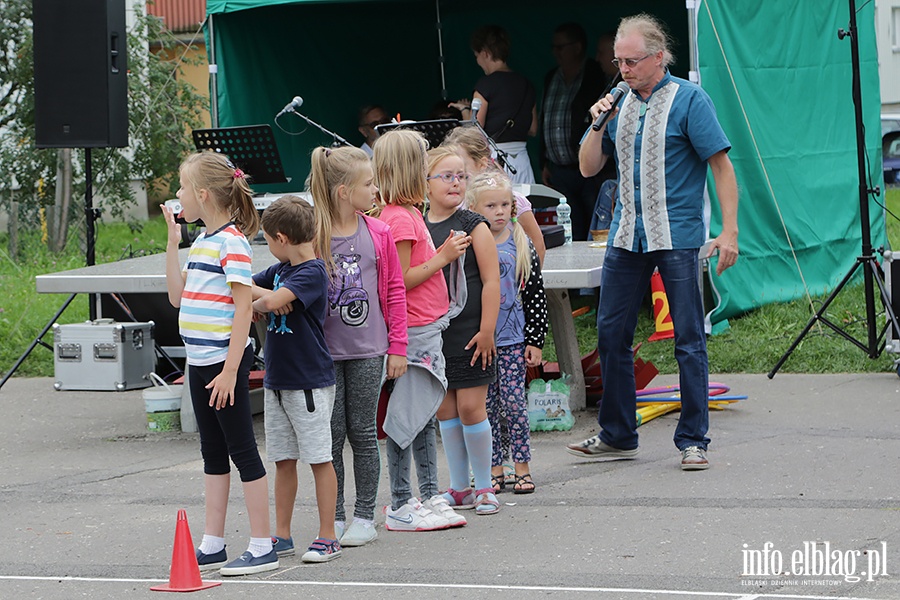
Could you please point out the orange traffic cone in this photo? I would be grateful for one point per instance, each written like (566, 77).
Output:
(665, 330)
(184, 575)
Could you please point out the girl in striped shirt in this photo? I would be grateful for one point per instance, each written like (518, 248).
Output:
(213, 292)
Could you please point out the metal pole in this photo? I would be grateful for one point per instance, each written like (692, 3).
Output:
(213, 74)
(864, 190)
(89, 217)
(693, 7)
(439, 26)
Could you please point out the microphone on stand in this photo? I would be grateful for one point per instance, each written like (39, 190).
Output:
(618, 93)
(476, 106)
(501, 155)
(291, 106)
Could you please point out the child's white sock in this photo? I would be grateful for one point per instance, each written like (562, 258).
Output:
(260, 546)
(211, 544)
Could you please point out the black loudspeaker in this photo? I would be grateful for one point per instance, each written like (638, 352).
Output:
(80, 74)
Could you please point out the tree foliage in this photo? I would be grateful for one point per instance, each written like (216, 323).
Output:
(162, 109)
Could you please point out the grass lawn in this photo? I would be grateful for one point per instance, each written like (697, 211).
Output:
(24, 312)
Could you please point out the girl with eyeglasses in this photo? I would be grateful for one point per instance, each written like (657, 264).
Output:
(469, 346)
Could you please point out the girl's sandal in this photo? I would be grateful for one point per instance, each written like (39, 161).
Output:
(486, 502)
(524, 484)
(509, 474)
(498, 483)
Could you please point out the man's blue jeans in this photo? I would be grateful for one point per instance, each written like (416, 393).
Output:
(624, 281)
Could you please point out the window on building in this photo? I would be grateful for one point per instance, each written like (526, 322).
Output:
(895, 28)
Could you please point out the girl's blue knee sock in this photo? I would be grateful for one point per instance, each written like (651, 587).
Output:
(479, 445)
(454, 444)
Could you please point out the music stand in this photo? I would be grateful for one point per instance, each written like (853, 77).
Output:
(250, 147)
(434, 131)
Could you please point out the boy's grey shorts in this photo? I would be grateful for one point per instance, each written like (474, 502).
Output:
(298, 425)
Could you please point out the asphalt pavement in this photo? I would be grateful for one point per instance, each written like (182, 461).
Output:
(802, 501)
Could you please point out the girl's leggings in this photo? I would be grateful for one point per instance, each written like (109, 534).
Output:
(358, 384)
(229, 430)
(507, 395)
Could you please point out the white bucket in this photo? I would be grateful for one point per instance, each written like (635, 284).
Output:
(162, 402)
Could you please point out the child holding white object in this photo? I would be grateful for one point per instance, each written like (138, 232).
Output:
(469, 340)
(214, 296)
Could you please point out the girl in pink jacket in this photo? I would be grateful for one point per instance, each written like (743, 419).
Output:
(366, 320)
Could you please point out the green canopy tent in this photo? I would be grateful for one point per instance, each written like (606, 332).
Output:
(778, 74)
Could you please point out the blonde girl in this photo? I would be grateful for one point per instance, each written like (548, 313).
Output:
(477, 155)
(521, 326)
(213, 292)
(366, 320)
(469, 341)
(399, 162)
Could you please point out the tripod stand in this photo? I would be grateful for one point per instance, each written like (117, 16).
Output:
(872, 273)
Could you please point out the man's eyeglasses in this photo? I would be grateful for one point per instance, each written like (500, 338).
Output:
(631, 62)
(450, 177)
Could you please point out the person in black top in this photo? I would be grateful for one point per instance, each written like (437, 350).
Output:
(508, 111)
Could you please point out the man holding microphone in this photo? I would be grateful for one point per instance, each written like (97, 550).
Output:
(664, 136)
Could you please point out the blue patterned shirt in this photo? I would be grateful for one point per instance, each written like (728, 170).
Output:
(661, 147)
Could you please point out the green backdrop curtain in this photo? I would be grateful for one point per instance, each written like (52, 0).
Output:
(792, 81)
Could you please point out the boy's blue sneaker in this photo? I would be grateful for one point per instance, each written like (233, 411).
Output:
(322, 550)
(247, 564)
(283, 546)
(208, 562)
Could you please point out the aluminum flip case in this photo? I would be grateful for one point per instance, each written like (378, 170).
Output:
(103, 355)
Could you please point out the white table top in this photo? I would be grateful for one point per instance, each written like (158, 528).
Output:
(573, 266)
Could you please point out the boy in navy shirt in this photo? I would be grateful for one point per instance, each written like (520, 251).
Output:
(299, 381)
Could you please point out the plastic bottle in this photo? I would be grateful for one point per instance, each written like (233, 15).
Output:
(564, 218)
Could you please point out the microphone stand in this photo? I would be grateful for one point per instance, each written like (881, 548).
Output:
(502, 155)
(338, 140)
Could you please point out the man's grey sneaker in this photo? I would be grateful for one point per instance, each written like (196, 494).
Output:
(594, 448)
(247, 564)
(283, 546)
(359, 533)
(208, 562)
(693, 458)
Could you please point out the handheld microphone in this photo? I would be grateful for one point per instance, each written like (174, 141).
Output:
(476, 106)
(293, 105)
(618, 93)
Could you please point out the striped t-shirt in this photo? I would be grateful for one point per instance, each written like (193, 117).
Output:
(216, 261)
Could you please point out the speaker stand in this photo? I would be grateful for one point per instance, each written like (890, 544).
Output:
(39, 340)
(90, 219)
